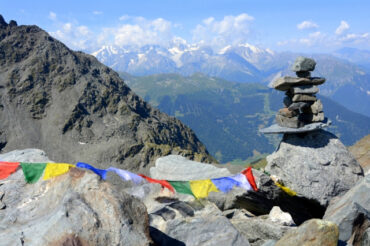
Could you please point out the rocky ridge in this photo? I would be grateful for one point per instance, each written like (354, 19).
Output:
(76, 109)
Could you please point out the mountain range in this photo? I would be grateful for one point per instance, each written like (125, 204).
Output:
(226, 116)
(348, 77)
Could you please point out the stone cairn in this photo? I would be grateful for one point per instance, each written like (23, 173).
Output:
(301, 105)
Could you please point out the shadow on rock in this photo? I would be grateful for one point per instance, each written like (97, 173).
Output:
(160, 238)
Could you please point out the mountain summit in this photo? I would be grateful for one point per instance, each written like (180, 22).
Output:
(77, 109)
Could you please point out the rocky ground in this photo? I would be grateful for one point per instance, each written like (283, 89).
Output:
(79, 209)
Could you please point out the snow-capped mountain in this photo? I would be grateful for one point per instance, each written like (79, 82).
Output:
(239, 63)
(347, 83)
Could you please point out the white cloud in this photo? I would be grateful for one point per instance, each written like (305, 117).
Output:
(124, 17)
(52, 16)
(97, 12)
(342, 28)
(307, 25)
(75, 36)
(229, 30)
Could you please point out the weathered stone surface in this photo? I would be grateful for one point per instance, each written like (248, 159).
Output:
(305, 89)
(303, 74)
(286, 82)
(316, 107)
(316, 165)
(313, 232)
(259, 230)
(287, 101)
(303, 98)
(361, 151)
(75, 208)
(303, 64)
(366, 238)
(299, 106)
(287, 113)
(175, 167)
(280, 217)
(292, 122)
(26, 155)
(76, 109)
(312, 117)
(351, 210)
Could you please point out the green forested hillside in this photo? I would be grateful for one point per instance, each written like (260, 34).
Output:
(226, 116)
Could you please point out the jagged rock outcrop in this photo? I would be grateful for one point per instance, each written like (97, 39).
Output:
(315, 164)
(177, 219)
(351, 213)
(75, 208)
(76, 109)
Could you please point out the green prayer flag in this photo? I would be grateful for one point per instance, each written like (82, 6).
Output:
(182, 187)
(32, 171)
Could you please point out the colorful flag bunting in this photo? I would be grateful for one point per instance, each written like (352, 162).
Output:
(224, 184)
(32, 171)
(164, 183)
(126, 175)
(7, 168)
(249, 174)
(56, 169)
(101, 172)
(201, 188)
(182, 187)
(242, 181)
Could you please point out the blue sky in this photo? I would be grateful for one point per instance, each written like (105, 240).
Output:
(307, 26)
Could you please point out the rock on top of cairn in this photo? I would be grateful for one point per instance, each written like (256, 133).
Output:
(303, 64)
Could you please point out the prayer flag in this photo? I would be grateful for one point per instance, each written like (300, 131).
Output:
(201, 188)
(56, 169)
(181, 187)
(32, 171)
(163, 183)
(224, 184)
(249, 175)
(7, 168)
(286, 189)
(126, 175)
(242, 181)
(101, 172)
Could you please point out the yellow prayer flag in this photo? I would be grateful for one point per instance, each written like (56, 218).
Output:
(286, 189)
(201, 188)
(56, 169)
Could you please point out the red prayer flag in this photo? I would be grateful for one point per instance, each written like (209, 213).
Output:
(163, 183)
(249, 175)
(7, 168)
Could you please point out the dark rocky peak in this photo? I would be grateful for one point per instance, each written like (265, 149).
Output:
(3, 23)
(77, 109)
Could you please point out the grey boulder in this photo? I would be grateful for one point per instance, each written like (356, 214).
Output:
(351, 211)
(76, 208)
(303, 64)
(315, 164)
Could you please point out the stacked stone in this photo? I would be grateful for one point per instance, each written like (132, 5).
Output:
(301, 105)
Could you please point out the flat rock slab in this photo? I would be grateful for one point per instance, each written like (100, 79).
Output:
(287, 82)
(276, 129)
(178, 168)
